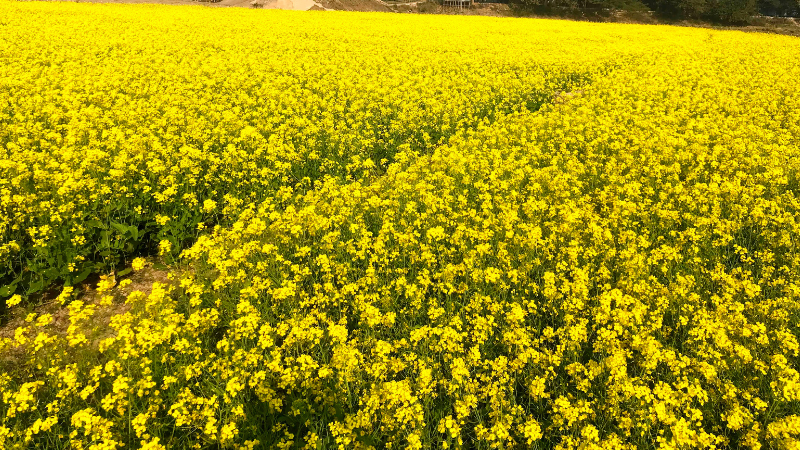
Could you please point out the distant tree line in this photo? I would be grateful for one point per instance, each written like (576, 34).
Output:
(714, 10)
(723, 10)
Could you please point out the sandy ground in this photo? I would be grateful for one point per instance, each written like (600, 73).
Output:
(492, 9)
(355, 5)
(297, 5)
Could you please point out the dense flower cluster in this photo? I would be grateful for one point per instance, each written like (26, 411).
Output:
(612, 265)
(124, 128)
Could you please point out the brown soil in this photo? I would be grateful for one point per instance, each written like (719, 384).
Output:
(355, 5)
(141, 280)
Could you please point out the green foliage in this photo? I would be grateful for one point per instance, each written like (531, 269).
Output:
(781, 8)
(720, 11)
(732, 11)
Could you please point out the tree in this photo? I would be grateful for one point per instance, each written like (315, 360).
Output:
(693, 9)
(779, 8)
(683, 9)
(732, 11)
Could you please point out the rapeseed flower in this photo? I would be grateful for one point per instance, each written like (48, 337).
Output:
(564, 235)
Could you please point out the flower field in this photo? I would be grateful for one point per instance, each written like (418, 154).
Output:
(395, 231)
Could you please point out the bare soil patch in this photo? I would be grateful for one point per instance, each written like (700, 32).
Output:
(141, 280)
(355, 5)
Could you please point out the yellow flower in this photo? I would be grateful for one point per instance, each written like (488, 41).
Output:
(577, 234)
(14, 300)
(164, 247)
(138, 263)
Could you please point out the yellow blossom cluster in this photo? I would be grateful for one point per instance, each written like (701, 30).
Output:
(614, 267)
(129, 131)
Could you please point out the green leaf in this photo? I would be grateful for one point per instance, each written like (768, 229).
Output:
(8, 290)
(96, 224)
(82, 275)
(129, 231)
(119, 227)
(36, 286)
(51, 274)
(134, 232)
